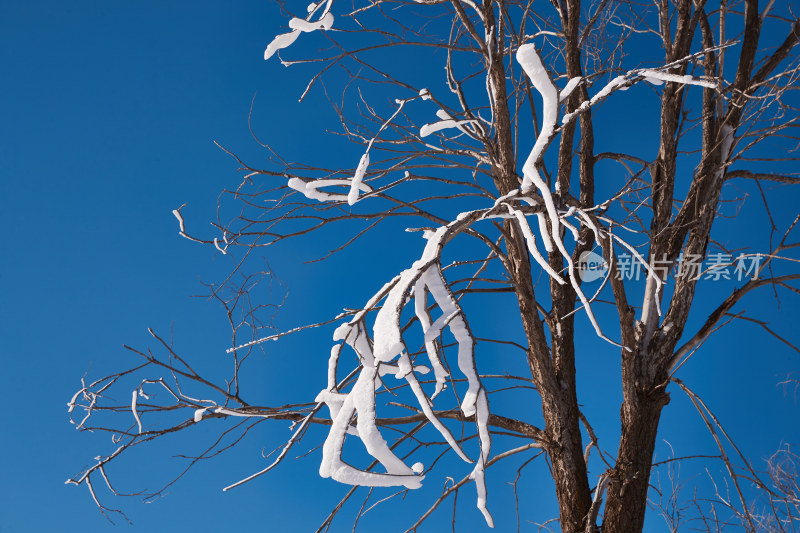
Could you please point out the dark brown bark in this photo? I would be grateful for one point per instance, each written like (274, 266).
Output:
(674, 222)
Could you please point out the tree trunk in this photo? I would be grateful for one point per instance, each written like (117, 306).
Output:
(627, 490)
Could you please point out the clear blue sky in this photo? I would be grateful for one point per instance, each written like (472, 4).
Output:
(107, 115)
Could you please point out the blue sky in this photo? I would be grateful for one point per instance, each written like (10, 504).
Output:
(108, 111)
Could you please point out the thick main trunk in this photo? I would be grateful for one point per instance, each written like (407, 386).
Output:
(556, 385)
(566, 457)
(553, 376)
(626, 498)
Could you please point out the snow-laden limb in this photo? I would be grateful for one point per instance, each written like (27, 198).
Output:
(363, 163)
(310, 189)
(654, 76)
(548, 242)
(657, 77)
(528, 57)
(224, 250)
(531, 62)
(434, 281)
(182, 224)
(355, 184)
(530, 239)
(324, 23)
(431, 347)
(424, 278)
(571, 85)
(425, 405)
(615, 84)
(134, 398)
(446, 122)
(479, 474)
(333, 363)
(355, 335)
(298, 25)
(280, 42)
(361, 400)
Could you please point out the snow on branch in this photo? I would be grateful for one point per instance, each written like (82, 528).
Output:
(654, 76)
(311, 188)
(377, 355)
(386, 352)
(298, 25)
(531, 62)
(446, 122)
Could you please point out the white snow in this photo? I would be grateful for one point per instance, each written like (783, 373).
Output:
(181, 224)
(134, 398)
(446, 122)
(421, 310)
(530, 239)
(299, 26)
(613, 85)
(216, 244)
(355, 183)
(311, 188)
(528, 57)
(659, 77)
(572, 84)
(424, 277)
(361, 399)
(478, 474)
(324, 23)
(280, 42)
(548, 242)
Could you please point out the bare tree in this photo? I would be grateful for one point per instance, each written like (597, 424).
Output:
(495, 165)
